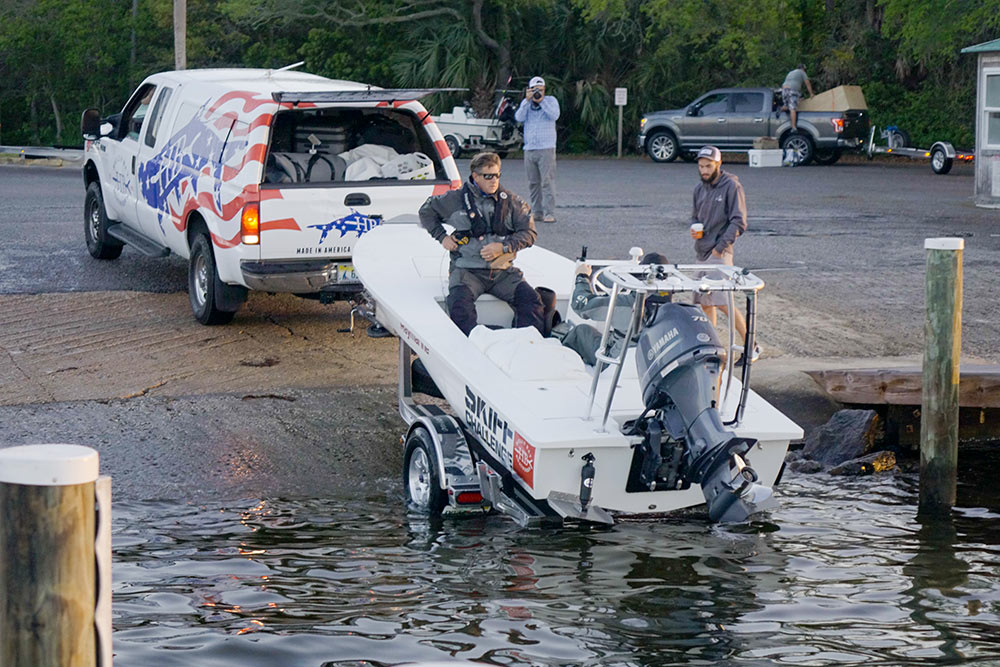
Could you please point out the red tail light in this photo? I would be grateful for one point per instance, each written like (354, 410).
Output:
(838, 124)
(250, 224)
(469, 498)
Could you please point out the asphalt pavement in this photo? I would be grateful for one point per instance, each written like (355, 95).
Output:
(841, 249)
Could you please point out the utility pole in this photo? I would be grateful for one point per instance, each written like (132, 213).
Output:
(180, 34)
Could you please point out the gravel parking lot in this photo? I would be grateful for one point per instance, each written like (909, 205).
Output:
(106, 353)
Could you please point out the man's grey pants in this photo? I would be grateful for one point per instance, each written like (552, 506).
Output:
(541, 167)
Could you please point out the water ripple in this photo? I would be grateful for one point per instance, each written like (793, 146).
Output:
(842, 573)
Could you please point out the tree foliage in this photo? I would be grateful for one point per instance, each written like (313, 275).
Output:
(59, 56)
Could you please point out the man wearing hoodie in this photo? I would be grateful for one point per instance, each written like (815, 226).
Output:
(720, 207)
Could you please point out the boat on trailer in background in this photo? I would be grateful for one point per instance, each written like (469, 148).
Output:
(532, 431)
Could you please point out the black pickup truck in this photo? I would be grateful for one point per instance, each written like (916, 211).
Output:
(731, 118)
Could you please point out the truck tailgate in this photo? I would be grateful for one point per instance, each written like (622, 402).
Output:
(318, 222)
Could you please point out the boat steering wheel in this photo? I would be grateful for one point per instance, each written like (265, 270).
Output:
(596, 286)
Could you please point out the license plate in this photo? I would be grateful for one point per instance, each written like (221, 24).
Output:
(345, 273)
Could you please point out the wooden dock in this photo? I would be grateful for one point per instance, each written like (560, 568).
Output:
(896, 394)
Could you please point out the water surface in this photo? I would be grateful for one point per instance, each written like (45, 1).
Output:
(842, 573)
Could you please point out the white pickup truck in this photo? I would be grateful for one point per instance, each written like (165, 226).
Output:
(261, 179)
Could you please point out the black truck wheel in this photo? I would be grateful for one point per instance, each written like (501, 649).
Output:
(662, 146)
(421, 482)
(827, 157)
(800, 144)
(212, 301)
(940, 162)
(95, 226)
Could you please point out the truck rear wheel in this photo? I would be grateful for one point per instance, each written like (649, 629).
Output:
(801, 145)
(95, 226)
(827, 157)
(212, 301)
(421, 482)
(662, 146)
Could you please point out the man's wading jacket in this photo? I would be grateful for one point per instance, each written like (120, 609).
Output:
(499, 218)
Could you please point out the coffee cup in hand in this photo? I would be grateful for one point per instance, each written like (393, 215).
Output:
(697, 230)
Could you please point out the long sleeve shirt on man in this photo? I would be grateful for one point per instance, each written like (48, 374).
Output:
(539, 122)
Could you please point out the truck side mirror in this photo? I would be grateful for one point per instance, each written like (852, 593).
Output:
(692, 111)
(90, 124)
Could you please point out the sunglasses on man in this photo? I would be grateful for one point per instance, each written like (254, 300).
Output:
(489, 177)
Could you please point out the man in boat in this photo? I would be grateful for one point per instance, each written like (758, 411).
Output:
(585, 339)
(491, 225)
(718, 218)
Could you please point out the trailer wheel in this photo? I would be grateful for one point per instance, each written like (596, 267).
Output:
(453, 146)
(95, 226)
(898, 139)
(940, 162)
(420, 475)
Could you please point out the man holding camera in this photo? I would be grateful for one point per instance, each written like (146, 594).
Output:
(539, 113)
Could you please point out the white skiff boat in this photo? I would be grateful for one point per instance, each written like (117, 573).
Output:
(534, 432)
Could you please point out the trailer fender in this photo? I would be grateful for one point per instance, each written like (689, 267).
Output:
(949, 150)
(454, 460)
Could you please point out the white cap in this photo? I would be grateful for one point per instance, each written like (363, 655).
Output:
(48, 465)
(536, 81)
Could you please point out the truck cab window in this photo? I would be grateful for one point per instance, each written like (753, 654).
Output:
(717, 103)
(135, 112)
(748, 102)
(156, 116)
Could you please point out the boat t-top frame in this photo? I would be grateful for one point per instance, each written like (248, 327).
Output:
(645, 280)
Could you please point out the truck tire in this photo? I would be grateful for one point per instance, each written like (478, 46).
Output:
(827, 157)
(940, 162)
(662, 146)
(453, 146)
(95, 226)
(421, 483)
(205, 291)
(801, 144)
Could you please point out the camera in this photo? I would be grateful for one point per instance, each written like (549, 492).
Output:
(537, 94)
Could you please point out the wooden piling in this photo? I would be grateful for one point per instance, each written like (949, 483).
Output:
(47, 556)
(942, 348)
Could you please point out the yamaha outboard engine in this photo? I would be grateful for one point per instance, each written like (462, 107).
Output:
(680, 358)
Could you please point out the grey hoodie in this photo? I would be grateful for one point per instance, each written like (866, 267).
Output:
(722, 208)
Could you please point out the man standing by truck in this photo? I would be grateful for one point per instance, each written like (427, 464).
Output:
(718, 218)
(791, 92)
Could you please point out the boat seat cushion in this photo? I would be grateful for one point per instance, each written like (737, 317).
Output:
(523, 354)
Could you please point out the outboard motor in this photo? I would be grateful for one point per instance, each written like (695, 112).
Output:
(679, 358)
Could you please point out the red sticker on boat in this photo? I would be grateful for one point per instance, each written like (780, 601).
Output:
(524, 459)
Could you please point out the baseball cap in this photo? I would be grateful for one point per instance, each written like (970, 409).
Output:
(536, 81)
(710, 152)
